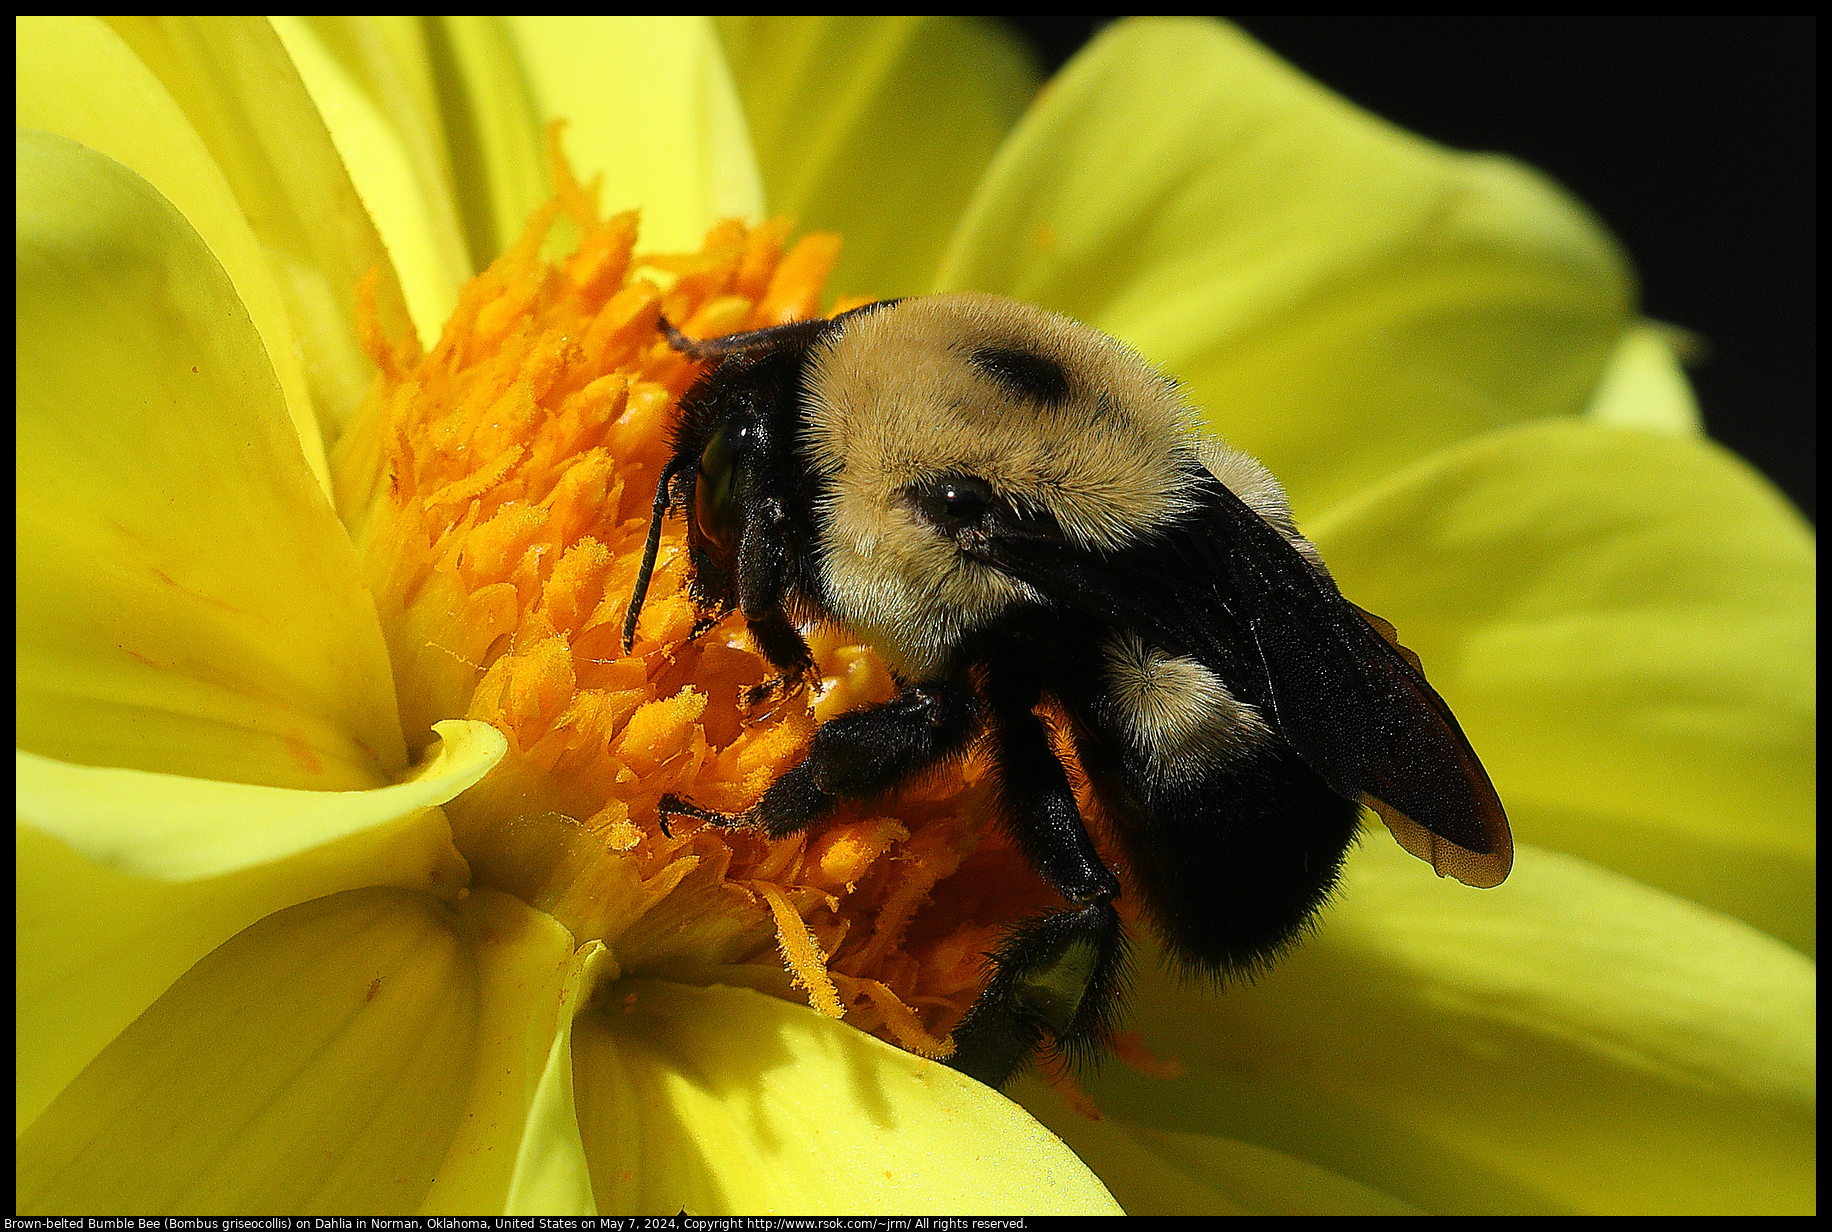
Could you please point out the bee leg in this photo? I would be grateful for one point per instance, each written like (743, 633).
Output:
(763, 567)
(782, 644)
(775, 690)
(708, 587)
(867, 751)
(762, 564)
(1058, 977)
(856, 754)
(673, 806)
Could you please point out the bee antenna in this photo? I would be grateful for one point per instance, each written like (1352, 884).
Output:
(692, 348)
(795, 335)
(654, 543)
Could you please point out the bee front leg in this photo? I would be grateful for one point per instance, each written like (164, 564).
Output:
(782, 644)
(672, 805)
(763, 571)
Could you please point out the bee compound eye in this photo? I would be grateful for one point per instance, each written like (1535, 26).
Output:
(715, 499)
(955, 501)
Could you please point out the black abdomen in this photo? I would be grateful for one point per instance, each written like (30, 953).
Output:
(1233, 854)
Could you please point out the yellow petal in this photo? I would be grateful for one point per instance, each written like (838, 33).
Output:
(317, 1063)
(1624, 625)
(726, 1101)
(877, 128)
(76, 78)
(1341, 297)
(650, 103)
(1643, 387)
(494, 129)
(552, 1168)
(1161, 1172)
(97, 944)
(517, 1145)
(236, 83)
(1569, 1043)
(183, 829)
(188, 602)
(384, 132)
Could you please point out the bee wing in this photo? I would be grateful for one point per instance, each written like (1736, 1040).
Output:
(1366, 720)
(1342, 692)
(1353, 703)
(1450, 860)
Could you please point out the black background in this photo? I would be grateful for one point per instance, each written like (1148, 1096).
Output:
(1693, 138)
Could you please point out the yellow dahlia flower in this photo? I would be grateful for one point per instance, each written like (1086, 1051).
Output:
(339, 883)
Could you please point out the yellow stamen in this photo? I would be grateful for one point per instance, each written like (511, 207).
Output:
(802, 954)
(898, 1017)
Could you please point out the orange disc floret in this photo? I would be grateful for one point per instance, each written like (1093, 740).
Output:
(499, 490)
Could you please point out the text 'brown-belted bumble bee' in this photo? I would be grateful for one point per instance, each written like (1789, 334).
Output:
(1016, 512)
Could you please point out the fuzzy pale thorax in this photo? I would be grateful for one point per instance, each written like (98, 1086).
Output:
(894, 399)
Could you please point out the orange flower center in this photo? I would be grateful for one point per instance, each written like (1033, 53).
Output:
(499, 489)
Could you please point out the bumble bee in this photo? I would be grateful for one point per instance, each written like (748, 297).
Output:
(1018, 513)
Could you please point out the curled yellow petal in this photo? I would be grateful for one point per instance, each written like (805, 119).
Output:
(98, 945)
(184, 829)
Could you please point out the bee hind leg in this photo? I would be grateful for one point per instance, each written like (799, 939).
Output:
(772, 692)
(1057, 979)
